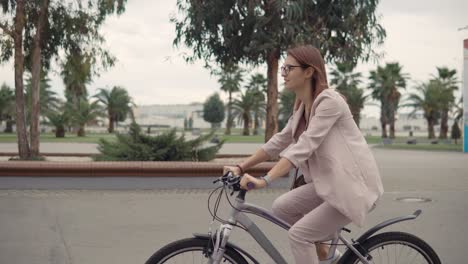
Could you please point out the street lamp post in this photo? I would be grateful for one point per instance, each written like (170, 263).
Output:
(465, 91)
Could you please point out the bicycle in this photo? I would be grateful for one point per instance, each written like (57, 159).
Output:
(214, 247)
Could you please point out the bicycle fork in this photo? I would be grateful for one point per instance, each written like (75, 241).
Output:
(222, 237)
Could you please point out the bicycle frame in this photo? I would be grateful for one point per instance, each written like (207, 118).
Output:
(237, 216)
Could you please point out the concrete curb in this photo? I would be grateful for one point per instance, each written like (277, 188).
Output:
(118, 168)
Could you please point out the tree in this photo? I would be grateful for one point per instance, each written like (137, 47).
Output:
(76, 74)
(448, 81)
(243, 109)
(458, 110)
(7, 107)
(230, 78)
(59, 119)
(287, 99)
(36, 31)
(356, 100)
(427, 100)
(47, 97)
(213, 110)
(347, 83)
(257, 32)
(457, 116)
(83, 114)
(116, 102)
(257, 85)
(190, 123)
(185, 124)
(456, 133)
(384, 83)
(12, 39)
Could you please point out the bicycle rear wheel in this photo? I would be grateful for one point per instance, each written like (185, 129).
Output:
(394, 247)
(191, 250)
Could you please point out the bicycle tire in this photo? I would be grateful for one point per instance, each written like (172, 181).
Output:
(188, 245)
(390, 238)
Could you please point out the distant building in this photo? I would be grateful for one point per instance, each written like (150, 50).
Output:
(171, 115)
(174, 115)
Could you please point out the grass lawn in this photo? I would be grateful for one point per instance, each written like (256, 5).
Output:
(398, 143)
(427, 147)
(69, 138)
(243, 139)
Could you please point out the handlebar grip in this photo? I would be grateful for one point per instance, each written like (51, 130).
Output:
(250, 185)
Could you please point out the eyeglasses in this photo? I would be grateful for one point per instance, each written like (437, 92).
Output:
(285, 69)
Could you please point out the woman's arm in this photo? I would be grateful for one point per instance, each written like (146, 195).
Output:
(327, 113)
(258, 157)
(269, 150)
(281, 168)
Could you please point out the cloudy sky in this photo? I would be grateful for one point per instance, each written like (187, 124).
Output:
(421, 34)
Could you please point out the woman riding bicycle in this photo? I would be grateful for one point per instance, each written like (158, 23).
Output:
(323, 141)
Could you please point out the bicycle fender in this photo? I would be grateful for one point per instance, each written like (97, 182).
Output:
(229, 244)
(386, 223)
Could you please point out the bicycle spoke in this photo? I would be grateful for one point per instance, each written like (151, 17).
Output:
(396, 252)
(196, 256)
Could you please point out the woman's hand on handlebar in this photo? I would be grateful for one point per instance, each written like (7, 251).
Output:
(235, 170)
(258, 183)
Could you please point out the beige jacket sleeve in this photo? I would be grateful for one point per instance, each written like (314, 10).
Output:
(327, 112)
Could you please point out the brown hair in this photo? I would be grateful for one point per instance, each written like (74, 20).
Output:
(309, 56)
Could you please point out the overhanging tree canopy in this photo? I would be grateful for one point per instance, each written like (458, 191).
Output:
(259, 31)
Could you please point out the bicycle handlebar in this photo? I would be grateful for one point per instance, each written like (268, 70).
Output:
(233, 181)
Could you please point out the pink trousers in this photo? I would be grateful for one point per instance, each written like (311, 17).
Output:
(312, 220)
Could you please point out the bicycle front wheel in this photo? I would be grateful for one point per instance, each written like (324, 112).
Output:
(395, 247)
(192, 250)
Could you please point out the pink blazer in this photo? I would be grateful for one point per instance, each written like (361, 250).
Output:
(332, 154)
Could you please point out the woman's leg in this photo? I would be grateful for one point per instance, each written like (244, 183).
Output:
(320, 224)
(294, 204)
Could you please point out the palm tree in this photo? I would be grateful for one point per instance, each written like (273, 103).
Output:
(230, 78)
(76, 74)
(47, 97)
(458, 110)
(384, 83)
(427, 100)
(83, 114)
(59, 119)
(356, 100)
(7, 107)
(347, 83)
(117, 103)
(448, 82)
(243, 109)
(258, 85)
(377, 87)
(457, 116)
